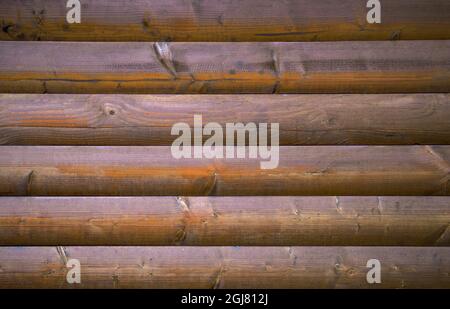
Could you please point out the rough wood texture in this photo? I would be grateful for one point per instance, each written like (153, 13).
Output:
(152, 170)
(225, 221)
(217, 20)
(224, 267)
(29, 119)
(325, 67)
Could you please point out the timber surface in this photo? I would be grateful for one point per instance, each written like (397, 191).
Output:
(140, 67)
(35, 119)
(217, 20)
(225, 221)
(224, 267)
(152, 170)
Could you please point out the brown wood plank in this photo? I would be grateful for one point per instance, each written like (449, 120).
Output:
(225, 267)
(152, 170)
(216, 20)
(140, 67)
(28, 119)
(225, 221)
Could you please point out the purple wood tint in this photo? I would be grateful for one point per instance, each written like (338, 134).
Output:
(217, 20)
(226, 221)
(178, 68)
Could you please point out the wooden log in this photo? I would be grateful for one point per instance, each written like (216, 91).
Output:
(152, 170)
(225, 221)
(29, 119)
(325, 67)
(224, 267)
(216, 20)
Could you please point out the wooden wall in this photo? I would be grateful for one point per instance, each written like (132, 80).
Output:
(87, 173)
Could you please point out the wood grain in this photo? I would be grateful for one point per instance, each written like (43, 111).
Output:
(224, 267)
(140, 67)
(152, 170)
(216, 20)
(225, 221)
(29, 119)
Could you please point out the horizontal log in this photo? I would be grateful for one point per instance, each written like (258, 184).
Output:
(320, 67)
(215, 20)
(224, 267)
(152, 170)
(30, 119)
(225, 221)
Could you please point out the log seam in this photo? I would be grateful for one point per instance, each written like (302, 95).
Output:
(62, 254)
(379, 205)
(292, 256)
(181, 234)
(210, 188)
(442, 164)
(220, 272)
(443, 235)
(183, 203)
(338, 206)
(30, 182)
(440, 161)
(164, 56)
(276, 68)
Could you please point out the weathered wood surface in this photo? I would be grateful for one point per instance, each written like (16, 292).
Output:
(152, 170)
(140, 67)
(225, 267)
(216, 20)
(225, 221)
(30, 119)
